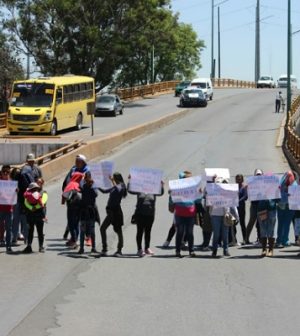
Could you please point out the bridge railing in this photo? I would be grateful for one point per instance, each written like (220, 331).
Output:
(291, 144)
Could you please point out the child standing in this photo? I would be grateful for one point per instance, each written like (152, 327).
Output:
(88, 213)
(114, 213)
(35, 200)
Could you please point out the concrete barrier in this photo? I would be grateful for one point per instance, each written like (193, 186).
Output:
(96, 148)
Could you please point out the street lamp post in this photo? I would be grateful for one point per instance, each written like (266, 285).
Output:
(288, 93)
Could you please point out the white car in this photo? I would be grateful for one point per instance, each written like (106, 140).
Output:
(265, 82)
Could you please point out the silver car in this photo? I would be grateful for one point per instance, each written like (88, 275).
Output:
(109, 104)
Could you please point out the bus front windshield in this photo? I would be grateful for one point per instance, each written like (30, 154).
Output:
(32, 95)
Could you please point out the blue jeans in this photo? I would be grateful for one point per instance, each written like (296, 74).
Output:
(219, 230)
(184, 225)
(6, 217)
(267, 226)
(284, 217)
(19, 217)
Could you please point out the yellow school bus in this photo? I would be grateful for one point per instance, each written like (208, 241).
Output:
(49, 104)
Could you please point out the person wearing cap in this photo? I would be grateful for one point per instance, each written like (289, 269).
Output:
(29, 173)
(82, 167)
(35, 201)
(253, 216)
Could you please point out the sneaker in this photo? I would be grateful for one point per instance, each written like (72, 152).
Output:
(93, 250)
(42, 249)
(166, 243)
(178, 255)
(192, 254)
(206, 249)
(27, 249)
(214, 254)
(141, 253)
(184, 246)
(20, 237)
(226, 253)
(9, 250)
(257, 243)
(149, 251)
(14, 243)
(88, 241)
(118, 254)
(74, 245)
(69, 242)
(81, 251)
(104, 253)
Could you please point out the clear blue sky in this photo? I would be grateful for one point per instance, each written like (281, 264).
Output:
(237, 21)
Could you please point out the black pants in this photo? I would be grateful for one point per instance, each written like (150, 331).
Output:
(252, 221)
(37, 221)
(144, 226)
(114, 217)
(242, 215)
(277, 105)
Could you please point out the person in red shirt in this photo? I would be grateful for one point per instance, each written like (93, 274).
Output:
(6, 211)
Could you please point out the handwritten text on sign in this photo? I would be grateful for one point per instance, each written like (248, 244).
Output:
(8, 194)
(222, 195)
(100, 174)
(186, 189)
(146, 180)
(263, 187)
(294, 197)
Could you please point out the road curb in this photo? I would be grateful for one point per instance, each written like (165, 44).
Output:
(280, 135)
(95, 148)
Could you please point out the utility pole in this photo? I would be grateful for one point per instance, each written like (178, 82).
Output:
(28, 65)
(289, 59)
(212, 74)
(257, 43)
(152, 64)
(219, 45)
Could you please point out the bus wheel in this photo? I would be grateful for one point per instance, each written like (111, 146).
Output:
(79, 122)
(53, 129)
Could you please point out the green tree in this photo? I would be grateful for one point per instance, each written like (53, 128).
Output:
(107, 39)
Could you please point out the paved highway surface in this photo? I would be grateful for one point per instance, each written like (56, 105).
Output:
(61, 293)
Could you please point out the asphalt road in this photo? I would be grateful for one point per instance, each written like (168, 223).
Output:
(60, 293)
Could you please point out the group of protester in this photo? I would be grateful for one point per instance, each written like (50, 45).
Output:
(218, 224)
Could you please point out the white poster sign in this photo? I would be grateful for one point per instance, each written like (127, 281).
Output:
(294, 197)
(219, 172)
(146, 180)
(263, 187)
(186, 189)
(100, 174)
(8, 194)
(221, 195)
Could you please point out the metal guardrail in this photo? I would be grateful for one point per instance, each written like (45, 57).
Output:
(59, 152)
(3, 120)
(292, 142)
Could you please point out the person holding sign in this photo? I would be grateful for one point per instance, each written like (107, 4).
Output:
(6, 211)
(185, 217)
(284, 213)
(114, 212)
(144, 217)
(266, 216)
(219, 223)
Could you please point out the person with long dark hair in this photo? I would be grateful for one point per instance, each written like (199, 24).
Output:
(114, 213)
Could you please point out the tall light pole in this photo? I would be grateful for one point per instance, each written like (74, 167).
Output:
(289, 35)
(212, 75)
(257, 43)
(219, 45)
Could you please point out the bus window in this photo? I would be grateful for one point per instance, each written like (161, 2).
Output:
(59, 96)
(32, 95)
